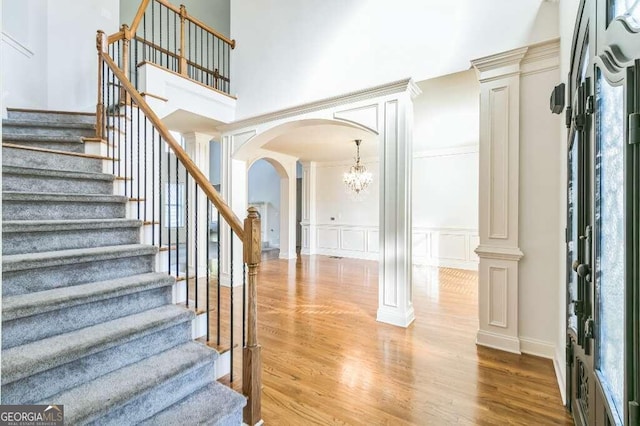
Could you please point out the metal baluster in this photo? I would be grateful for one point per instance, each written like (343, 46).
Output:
(153, 31)
(186, 228)
(218, 283)
(208, 272)
(231, 307)
(153, 156)
(177, 218)
(195, 238)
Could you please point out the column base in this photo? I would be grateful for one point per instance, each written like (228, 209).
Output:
(498, 341)
(395, 317)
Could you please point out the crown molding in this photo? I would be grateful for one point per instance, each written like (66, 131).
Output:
(400, 86)
(548, 49)
(500, 60)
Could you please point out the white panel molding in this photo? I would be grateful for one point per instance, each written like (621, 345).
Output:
(426, 247)
(365, 116)
(498, 301)
(498, 249)
(498, 163)
(395, 87)
(498, 252)
(537, 347)
(15, 44)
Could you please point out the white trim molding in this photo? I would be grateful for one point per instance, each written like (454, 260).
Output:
(498, 248)
(445, 247)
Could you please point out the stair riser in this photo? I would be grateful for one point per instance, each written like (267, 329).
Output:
(29, 329)
(9, 130)
(37, 242)
(39, 279)
(50, 382)
(58, 146)
(48, 210)
(53, 184)
(157, 399)
(51, 117)
(49, 161)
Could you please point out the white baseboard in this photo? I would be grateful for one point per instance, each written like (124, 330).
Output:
(561, 374)
(537, 347)
(348, 254)
(498, 341)
(390, 316)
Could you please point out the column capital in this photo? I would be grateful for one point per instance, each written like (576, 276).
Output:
(500, 65)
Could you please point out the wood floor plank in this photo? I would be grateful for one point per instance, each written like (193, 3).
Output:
(328, 362)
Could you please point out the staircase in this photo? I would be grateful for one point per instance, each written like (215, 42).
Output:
(87, 322)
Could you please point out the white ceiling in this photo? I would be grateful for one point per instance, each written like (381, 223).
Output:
(324, 142)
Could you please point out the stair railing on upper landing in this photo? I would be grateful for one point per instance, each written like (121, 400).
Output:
(167, 36)
(175, 201)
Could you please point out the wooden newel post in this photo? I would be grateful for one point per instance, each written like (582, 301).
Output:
(124, 96)
(252, 362)
(100, 46)
(182, 64)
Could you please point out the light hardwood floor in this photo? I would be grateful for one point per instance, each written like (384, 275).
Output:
(327, 361)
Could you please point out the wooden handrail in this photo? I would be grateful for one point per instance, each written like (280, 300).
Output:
(198, 23)
(139, 14)
(190, 166)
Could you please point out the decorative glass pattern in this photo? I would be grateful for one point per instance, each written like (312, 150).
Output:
(629, 9)
(572, 248)
(609, 267)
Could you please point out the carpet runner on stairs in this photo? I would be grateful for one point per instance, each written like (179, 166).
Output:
(87, 322)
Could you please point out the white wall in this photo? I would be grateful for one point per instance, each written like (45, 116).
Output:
(264, 187)
(539, 212)
(311, 50)
(49, 62)
(24, 53)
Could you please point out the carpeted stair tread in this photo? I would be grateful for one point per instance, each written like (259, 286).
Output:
(50, 116)
(25, 360)
(62, 197)
(13, 122)
(215, 404)
(92, 400)
(27, 137)
(28, 156)
(23, 305)
(17, 262)
(66, 225)
(70, 174)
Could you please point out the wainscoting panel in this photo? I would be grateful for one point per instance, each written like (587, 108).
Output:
(353, 239)
(446, 247)
(328, 238)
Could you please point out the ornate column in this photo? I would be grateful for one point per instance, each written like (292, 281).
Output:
(499, 253)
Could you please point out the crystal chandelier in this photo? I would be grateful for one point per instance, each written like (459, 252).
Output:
(357, 179)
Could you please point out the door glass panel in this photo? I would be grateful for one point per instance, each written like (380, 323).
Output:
(629, 9)
(572, 248)
(609, 205)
